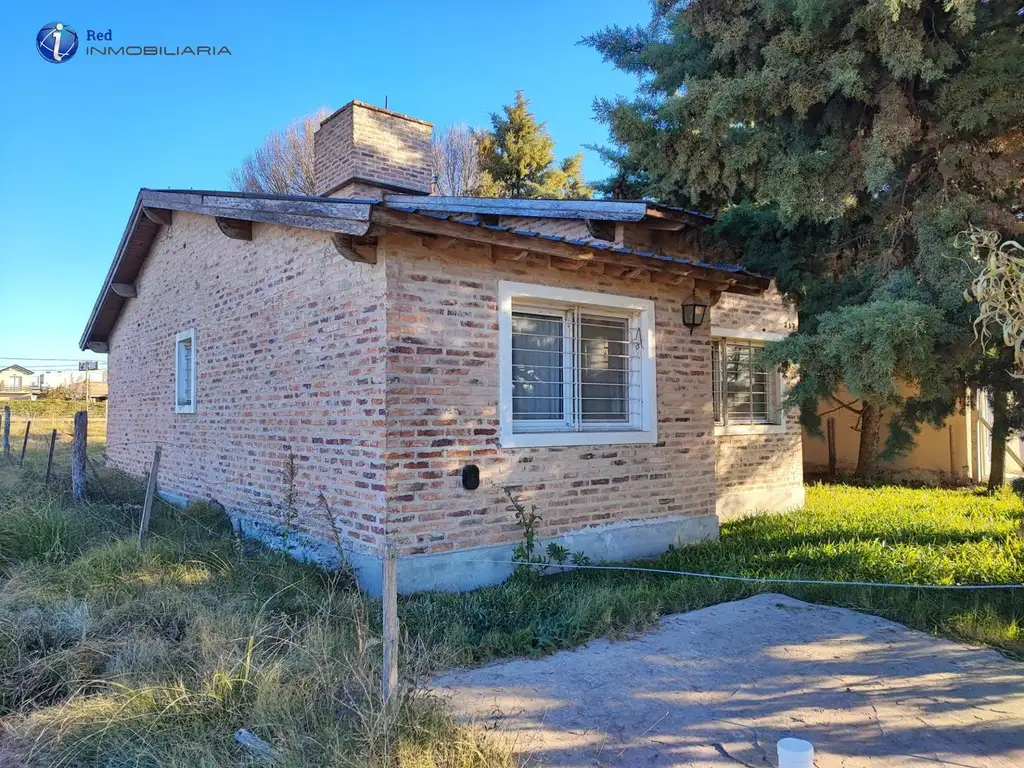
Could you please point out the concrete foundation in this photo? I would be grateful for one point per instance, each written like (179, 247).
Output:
(468, 569)
(743, 504)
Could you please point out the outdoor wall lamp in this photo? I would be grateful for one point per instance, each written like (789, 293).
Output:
(693, 312)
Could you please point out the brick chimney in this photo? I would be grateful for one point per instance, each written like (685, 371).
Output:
(362, 151)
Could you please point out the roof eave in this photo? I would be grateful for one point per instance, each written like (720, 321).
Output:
(152, 210)
(327, 214)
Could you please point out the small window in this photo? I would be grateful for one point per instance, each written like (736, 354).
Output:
(15, 382)
(575, 363)
(185, 372)
(744, 392)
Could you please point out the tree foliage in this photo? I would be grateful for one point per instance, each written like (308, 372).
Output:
(844, 144)
(455, 156)
(283, 164)
(517, 159)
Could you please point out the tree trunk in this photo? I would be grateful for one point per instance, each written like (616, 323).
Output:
(997, 463)
(870, 432)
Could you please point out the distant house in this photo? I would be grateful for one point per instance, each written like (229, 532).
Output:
(389, 365)
(17, 383)
(82, 384)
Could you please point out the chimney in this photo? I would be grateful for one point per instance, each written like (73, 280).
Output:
(362, 151)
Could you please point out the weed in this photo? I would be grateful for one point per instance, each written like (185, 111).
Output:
(114, 655)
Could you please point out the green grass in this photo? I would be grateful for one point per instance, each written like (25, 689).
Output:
(844, 533)
(111, 655)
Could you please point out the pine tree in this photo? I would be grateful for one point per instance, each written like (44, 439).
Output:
(844, 143)
(517, 159)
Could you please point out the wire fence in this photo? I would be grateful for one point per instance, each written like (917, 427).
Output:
(106, 484)
(763, 580)
(101, 476)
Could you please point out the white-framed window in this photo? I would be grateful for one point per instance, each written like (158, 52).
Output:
(746, 395)
(185, 371)
(576, 367)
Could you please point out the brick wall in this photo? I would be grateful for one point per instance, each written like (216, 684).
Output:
(443, 412)
(382, 382)
(758, 471)
(360, 145)
(289, 362)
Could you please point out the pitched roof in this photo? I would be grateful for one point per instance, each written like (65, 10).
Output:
(19, 368)
(354, 218)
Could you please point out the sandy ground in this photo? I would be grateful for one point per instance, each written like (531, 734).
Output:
(719, 686)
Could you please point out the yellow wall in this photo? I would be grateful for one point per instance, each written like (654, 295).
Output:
(938, 453)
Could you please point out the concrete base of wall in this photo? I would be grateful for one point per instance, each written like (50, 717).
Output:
(471, 568)
(730, 506)
(480, 567)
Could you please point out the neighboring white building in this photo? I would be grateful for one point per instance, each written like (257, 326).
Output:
(68, 377)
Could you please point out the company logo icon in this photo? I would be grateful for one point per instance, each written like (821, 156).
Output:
(57, 42)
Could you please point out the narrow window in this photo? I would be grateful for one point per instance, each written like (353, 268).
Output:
(744, 391)
(185, 372)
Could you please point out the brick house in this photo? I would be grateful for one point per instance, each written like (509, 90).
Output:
(383, 364)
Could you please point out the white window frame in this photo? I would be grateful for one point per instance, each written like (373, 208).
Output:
(720, 334)
(643, 429)
(190, 336)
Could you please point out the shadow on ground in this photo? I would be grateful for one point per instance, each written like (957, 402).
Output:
(719, 686)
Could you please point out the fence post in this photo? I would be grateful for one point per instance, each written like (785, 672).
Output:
(24, 443)
(49, 459)
(147, 507)
(389, 601)
(831, 425)
(7, 431)
(78, 446)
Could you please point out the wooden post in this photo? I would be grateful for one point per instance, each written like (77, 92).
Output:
(24, 443)
(831, 426)
(389, 601)
(49, 459)
(7, 431)
(78, 445)
(147, 507)
(952, 456)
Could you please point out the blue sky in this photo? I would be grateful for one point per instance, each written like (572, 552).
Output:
(80, 138)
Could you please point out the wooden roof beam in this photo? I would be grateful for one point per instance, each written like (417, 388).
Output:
(236, 229)
(124, 290)
(354, 249)
(736, 283)
(157, 215)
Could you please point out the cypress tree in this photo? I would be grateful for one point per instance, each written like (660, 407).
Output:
(843, 144)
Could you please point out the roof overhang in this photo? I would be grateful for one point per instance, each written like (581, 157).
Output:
(350, 220)
(153, 209)
(651, 215)
(674, 269)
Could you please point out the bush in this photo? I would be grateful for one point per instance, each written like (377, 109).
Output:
(58, 409)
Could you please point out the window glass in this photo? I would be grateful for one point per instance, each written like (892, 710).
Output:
(604, 368)
(537, 367)
(742, 388)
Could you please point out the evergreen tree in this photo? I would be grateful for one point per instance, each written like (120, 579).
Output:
(845, 143)
(517, 159)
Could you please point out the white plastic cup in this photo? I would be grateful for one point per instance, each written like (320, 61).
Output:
(795, 753)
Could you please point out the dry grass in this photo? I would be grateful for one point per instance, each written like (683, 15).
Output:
(112, 655)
